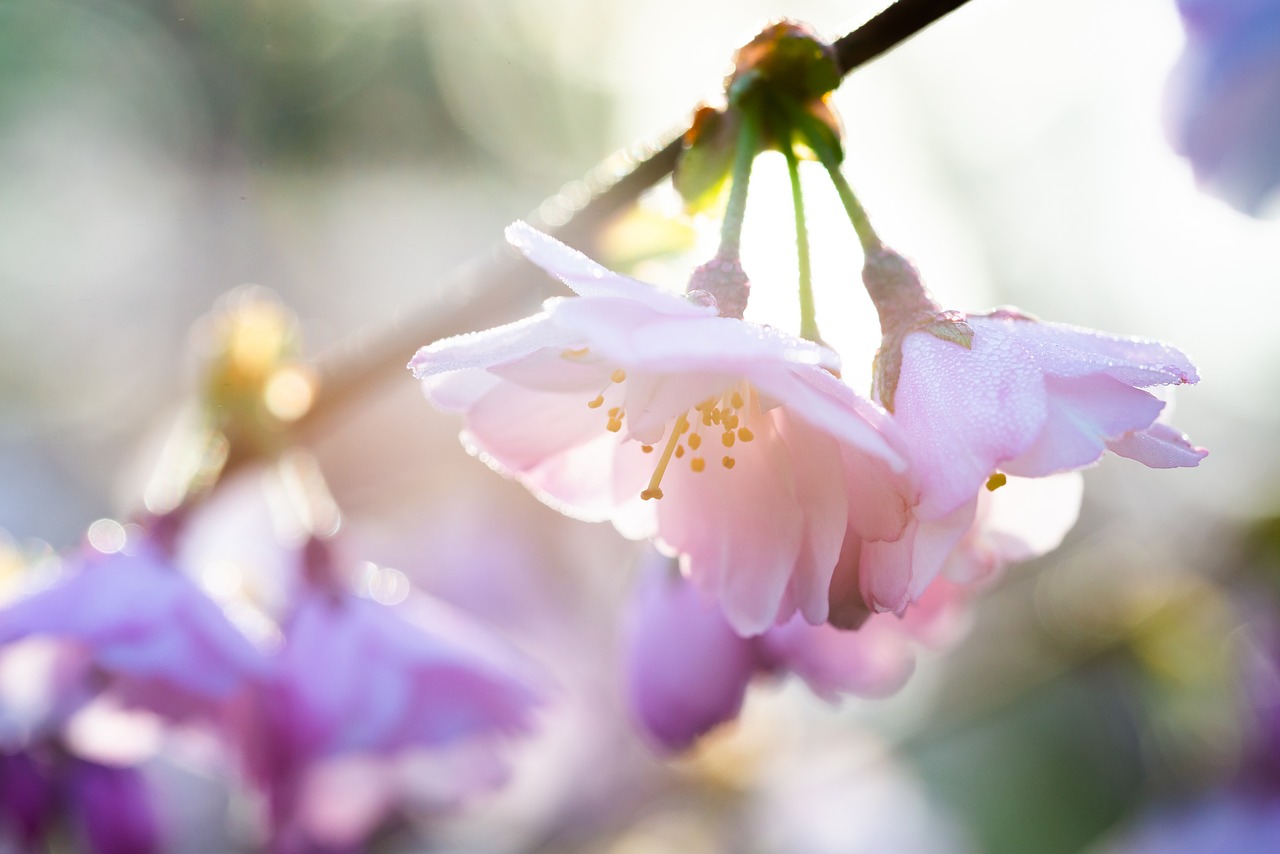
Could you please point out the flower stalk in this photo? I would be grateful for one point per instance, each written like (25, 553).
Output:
(808, 311)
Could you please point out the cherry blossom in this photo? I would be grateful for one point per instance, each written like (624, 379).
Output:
(730, 443)
(1030, 398)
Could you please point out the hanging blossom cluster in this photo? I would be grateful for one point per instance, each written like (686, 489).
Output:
(816, 528)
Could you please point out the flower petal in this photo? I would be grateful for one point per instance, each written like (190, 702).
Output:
(824, 497)
(874, 661)
(1083, 413)
(491, 347)
(1160, 446)
(589, 279)
(739, 531)
(965, 411)
(1073, 351)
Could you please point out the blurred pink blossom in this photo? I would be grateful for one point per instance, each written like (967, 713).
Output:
(142, 624)
(728, 442)
(357, 680)
(687, 670)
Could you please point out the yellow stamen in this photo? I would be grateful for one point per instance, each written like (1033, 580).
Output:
(728, 462)
(736, 400)
(745, 435)
(672, 442)
(575, 354)
(618, 376)
(996, 481)
(697, 464)
(597, 403)
(694, 442)
(727, 439)
(648, 449)
(679, 451)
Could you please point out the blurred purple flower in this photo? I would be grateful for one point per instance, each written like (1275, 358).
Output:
(687, 670)
(26, 799)
(161, 643)
(1224, 98)
(356, 678)
(107, 809)
(1229, 820)
(111, 808)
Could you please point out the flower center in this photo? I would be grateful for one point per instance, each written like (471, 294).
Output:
(691, 431)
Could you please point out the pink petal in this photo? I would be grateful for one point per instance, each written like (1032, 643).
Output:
(1083, 413)
(490, 347)
(739, 531)
(874, 661)
(589, 279)
(1160, 447)
(831, 406)
(1073, 351)
(520, 428)
(966, 411)
(824, 497)
(894, 574)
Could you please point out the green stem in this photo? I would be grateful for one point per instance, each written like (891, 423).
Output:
(857, 214)
(736, 208)
(831, 161)
(808, 313)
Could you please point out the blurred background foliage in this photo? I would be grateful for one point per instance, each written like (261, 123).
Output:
(346, 154)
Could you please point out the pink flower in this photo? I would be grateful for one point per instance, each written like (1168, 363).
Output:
(978, 398)
(1029, 398)
(687, 670)
(728, 442)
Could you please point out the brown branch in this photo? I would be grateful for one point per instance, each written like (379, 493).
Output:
(497, 285)
(889, 29)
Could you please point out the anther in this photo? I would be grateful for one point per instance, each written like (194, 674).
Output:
(745, 435)
(697, 464)
(996, 481)
(728, 462)
(618, 376)
(648, 449)
(597, 403)
(736, 400)
(575, 354)
(651, 493)
(694, 442)
(679, 451)
(727, 439)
